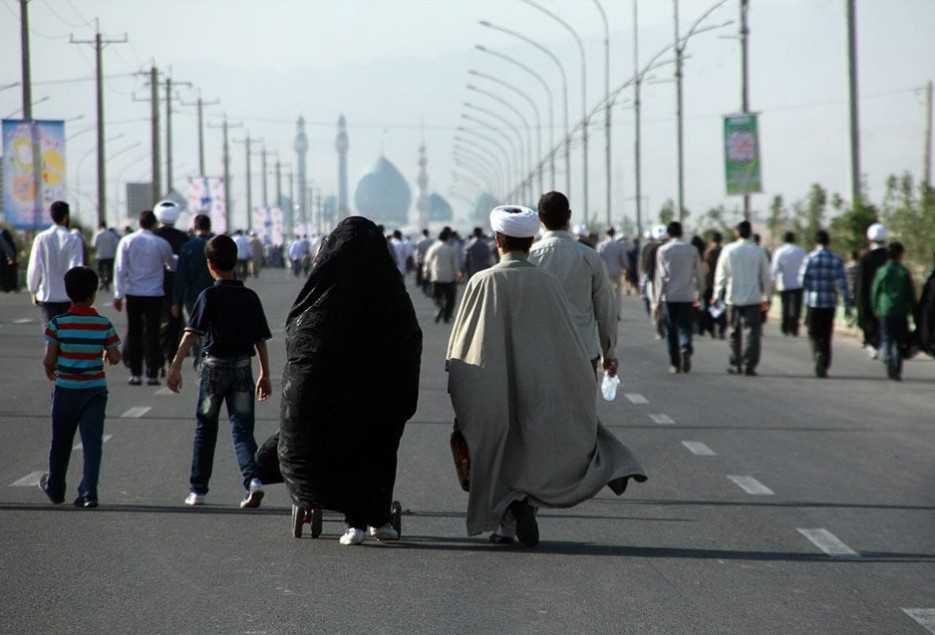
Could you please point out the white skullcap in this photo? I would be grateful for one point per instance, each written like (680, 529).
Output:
(877, 233)
(660, 232)
(515, 221)
(167, 212)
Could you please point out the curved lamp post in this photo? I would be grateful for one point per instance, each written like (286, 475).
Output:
(522, 118)
(519, 137)
(492, 142)
(514, 153)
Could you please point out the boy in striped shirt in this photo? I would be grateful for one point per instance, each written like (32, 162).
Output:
(77, 343)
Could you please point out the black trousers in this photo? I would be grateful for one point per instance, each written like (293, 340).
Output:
(820, 323)
(143, 316)
(791, 311)
(444, 293)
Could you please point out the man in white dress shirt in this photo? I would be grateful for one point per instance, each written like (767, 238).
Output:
(54, 251)
(787, 262)
(139, 272)
(742, 281)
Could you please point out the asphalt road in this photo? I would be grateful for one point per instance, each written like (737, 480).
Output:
(775, 504)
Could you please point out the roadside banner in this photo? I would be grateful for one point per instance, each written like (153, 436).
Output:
(742, 154)
(206, 196)
(33, 171)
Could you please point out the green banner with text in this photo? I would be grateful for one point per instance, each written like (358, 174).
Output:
(742, 154)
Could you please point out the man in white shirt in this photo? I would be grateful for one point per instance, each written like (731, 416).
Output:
(678, 284)
(139, 273)
(583, 278)
(614, 254)
(787, 262)
(418, 257)
(244, 255)
(54, 251)
(105, 244)
(742, 281)
(443, 269)
(298, 250)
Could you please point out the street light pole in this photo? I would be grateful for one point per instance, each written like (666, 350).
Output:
(637, 80)
(607, 112)
(517, 149)
(584, 99)
(561, 69)
(519, 114)
(744, 87)
(492, 142)
(680, 166)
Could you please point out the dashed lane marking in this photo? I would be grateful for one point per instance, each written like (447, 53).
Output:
(28, 481)
(136, 413)
(925, 617)
(698, 448)
(22, 321)
(829, 543)
(164, 391)
(662, 419)
(636, 397)
(751, 486)
(106, 439)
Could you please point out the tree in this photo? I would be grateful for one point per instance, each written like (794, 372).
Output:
(778, 219)
(667, 212)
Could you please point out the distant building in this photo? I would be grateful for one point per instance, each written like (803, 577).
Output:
(440, 210)
(383, 195)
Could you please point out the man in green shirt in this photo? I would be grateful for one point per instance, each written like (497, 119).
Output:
(893, 299)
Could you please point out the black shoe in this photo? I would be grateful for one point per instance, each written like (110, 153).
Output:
(734, 370)
(497, 539)
(135, 381)
(438, 316)
(750, 373)
(527, 529)
(86, 501)
(44, 486)
(152, 381)
(686, 361)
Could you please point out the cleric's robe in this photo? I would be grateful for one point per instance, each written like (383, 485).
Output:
(523, 391)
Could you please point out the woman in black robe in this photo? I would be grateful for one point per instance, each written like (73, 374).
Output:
(351, 381)
(8, 266)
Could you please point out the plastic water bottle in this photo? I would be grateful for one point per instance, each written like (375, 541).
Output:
(609, 387)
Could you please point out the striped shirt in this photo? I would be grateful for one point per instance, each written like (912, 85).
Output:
(81, 336)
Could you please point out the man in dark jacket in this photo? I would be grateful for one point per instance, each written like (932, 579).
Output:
(893, 299)
(875, 258)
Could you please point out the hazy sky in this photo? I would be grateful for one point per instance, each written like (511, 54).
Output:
(398, 71)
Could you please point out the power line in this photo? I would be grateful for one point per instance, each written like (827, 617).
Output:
(48, 5)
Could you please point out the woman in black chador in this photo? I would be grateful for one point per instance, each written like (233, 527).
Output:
(351, 381)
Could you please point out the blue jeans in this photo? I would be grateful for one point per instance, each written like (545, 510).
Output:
(224, 380)
(894, 334)
(77, 409)
(680, 320)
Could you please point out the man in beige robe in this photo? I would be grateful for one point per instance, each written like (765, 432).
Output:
(522, 387)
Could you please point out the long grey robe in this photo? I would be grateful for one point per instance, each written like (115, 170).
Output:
(524, 393)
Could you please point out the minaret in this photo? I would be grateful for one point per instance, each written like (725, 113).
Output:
(422, 200)
(301, 152)
(341, 145)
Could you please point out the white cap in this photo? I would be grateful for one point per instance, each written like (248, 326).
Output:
(877, 233)
(167, 212)
(515, 221)
(660, 232)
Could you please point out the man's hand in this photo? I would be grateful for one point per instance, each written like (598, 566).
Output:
(264, 388)
(610, 367)
(118, 304)
(764, 306)
(174, 379)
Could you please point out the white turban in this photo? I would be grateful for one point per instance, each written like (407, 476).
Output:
(660, 232)
(515, 221)
(877, 233)
(167, 212)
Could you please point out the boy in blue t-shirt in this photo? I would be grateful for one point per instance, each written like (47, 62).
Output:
(230, 319)
(77, 343)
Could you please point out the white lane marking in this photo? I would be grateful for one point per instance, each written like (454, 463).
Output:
(698, 448)
(135, 413)
(28, 481)
(751, 486)
(663, 419)
(164, 391)
(105, 440)
(829, 543)
(636, 397)
(22, 321)
(925, 617)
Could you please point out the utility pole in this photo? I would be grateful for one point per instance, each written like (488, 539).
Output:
(227, 166)
(154, 133)
(636, 113)
(200, 103)
(927, 150)
(265, 172)
(98, 43)
(278, 183)
(24, 48)
(852, 89)
(247, 141)
(680, 198)
(169, 84)
(744, 86)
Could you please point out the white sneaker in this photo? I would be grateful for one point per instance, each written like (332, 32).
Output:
(872, 353)
(386, 532)
(352, 536)
(254, 495)
(195, 499)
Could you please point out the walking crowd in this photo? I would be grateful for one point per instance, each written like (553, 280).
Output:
(536, 326)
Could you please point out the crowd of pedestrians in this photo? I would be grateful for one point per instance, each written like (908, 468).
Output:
(537, 322)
